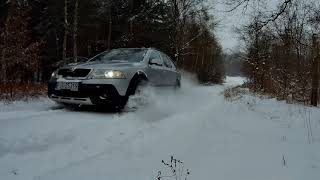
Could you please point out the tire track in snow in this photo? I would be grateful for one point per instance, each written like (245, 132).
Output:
(130, 138)
(96, 156)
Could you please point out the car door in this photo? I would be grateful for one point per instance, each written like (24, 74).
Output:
(169, 72)
(155, 72)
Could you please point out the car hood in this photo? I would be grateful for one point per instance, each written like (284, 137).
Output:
(103, 65)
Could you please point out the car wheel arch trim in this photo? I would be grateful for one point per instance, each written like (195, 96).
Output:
(136, 76)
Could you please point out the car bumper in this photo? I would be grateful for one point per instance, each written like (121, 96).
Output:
(87, 94)
(71, 100)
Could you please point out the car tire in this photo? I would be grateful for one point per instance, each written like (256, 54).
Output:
(139, 86)
(122, 103)
(139, 82)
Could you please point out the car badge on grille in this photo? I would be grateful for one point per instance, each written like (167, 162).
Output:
(73, 69)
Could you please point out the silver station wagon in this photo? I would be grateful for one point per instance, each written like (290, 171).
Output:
(112, 76)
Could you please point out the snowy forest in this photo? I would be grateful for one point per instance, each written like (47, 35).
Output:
(279, 52)
(38, 36)
(280, 49)
(159, 89)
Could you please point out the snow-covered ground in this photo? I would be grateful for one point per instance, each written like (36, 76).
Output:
(248, 139)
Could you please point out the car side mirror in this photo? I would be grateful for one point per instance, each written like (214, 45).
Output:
(156, 62)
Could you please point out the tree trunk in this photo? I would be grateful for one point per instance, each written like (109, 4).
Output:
(202, 59)
(110, 28)
(315, 72)
(3, 61)
(3, 67)
(66, 27)
(195, 68)
(75, 32)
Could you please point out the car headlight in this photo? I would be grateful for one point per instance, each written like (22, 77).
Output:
(107, 74)
(54, 75)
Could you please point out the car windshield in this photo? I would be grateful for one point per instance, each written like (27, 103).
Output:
(125, 55)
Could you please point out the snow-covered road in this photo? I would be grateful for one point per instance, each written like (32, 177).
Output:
(248, 139)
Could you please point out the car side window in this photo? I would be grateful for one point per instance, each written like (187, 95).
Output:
(173, 66)
(155, 55)
(166, 61)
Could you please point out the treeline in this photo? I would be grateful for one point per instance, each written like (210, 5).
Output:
(37, 36)
(282, 51)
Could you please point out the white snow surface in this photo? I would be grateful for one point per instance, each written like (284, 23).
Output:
(247, 139)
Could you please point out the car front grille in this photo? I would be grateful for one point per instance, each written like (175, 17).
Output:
(76, 73)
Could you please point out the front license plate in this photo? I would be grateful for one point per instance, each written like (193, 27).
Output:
(72, 86)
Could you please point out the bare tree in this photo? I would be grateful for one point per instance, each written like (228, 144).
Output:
(75, 31)
(66, 31)
(315, 71)
(3, 62)
(278, 57)
(282, 7)
(180, 10)
(110, 27)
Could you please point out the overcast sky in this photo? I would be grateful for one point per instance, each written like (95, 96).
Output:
(230, 20)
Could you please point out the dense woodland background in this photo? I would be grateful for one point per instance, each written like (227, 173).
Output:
(279, 52)
(37, 35)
